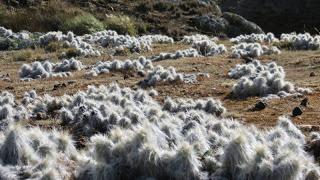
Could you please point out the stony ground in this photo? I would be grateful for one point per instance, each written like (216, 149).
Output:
(297, 64)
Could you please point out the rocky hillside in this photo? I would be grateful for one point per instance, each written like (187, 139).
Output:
(278, 16)
(174, 18)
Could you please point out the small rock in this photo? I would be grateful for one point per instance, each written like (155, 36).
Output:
(312, 74)
(58, 86)
(297, 111)
(72, 82)
(141, 73)
(126, 76)
(260, 106)
(40, 116)
(305, 102)
(247, 59)
(9, 88)
(55, 87)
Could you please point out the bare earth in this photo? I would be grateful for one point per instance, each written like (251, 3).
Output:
(297, 64)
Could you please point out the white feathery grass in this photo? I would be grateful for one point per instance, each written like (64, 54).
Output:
(256, 79)
(209, 48)
(191, 52)
(133, 136)
(252, 50)
(197, 37)
(69, 40)
(24, 39)
(302, 41)
(137, 65)
(255, 38)
(162, 75)
(47, 69)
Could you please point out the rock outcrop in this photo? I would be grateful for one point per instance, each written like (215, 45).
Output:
(229, 24)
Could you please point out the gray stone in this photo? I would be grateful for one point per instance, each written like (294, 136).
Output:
(239, 25)
(312, 74)
(209, 23)
(305, 102)
(229, 24)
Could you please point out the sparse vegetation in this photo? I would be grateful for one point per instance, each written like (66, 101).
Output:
(54, 46)
(82, 24)
(284, 45)
(53, 16)
(23, 55)
(71, 52)
(121, 23)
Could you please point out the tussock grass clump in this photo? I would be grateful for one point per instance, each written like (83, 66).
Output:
(210, 106)
(256, 79)
(255, 38)
(70, 41)
(209, 48)
(253, 69)
(197, 37)
(300, 41)
(47, 69)
(191, 52)
(46, 154)
(138, 65)
(10, 111)
(10, 40)
(252, 50)
(162, 75)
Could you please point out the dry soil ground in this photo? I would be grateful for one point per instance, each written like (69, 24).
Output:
(297, 64)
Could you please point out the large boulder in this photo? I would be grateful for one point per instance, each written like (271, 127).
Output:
(210, 23)
(229, 24)
(239, 25)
